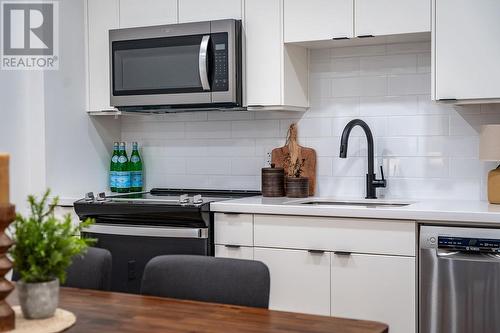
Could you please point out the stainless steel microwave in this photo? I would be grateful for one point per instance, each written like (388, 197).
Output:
(176, 67)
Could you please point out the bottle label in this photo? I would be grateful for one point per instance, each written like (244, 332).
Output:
(122, 159)
(112, 179)
(114, 159)
(136, 179)
(122, 179)
(134, 159)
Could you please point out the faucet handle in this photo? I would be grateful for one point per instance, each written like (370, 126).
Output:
(379, 182)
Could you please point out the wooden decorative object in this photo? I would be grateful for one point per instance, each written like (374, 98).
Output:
(494, 186)
(273, 182)
(7, 316)
(296, 152)
(297, 187)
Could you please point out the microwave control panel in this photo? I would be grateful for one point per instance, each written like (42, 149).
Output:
(221, 67)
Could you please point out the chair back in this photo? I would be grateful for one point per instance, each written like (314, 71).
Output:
(90, 271)
(208, 279)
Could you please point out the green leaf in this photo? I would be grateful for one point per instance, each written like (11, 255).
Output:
(44, 244)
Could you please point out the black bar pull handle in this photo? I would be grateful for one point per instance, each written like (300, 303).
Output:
(316, 251)
(340, 38)
(365, 36)
(232, 246)
(342, 253)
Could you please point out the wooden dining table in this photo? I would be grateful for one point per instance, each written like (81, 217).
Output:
(101, 311)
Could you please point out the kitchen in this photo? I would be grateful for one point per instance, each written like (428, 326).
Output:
(423, 82)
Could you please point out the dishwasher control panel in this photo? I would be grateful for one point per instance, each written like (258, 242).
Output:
(469, 244)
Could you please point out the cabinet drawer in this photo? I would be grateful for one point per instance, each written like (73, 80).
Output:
(236, 252)
(234, 229)
(335, 234)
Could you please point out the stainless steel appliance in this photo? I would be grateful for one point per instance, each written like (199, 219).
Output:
(177, 67)
(459, 280)
(136, 227)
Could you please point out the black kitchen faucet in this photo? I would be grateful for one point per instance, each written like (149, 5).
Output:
(371, 180)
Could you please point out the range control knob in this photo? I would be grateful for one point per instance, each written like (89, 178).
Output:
(197, 199)
(184, 199)
(101, 196)
(89, 197)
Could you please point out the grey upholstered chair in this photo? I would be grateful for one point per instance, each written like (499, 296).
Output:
(92, 271)
(208, 279)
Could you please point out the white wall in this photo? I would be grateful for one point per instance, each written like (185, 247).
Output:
(428, 150)
(44, 126)
(77, 145)
(22, 132)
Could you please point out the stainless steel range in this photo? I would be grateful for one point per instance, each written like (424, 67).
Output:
(136, 227)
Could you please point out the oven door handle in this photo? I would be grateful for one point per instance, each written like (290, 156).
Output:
(149, 231)
(203, 63)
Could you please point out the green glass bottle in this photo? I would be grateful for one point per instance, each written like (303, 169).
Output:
(112, 167)
(136, 181)
(122, 171)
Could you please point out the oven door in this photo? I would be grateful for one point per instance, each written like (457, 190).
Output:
(133, 246)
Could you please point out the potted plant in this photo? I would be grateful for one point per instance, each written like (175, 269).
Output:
(43, 250)
(296, 185)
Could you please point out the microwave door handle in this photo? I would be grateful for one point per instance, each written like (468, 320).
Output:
(203, 63)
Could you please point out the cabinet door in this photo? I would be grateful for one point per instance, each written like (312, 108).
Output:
(136, 13)
(317, 19)
(203, 10)
(102, 15)
(467, 50)
(233, 229)
(389, 17)
(300, 280)
(264, 52)
(375, 287)
(235, 252)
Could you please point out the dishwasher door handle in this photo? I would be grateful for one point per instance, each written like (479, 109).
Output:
(147, 231)
(467, 256)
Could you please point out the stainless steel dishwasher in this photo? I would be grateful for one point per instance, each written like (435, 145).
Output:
(459, 280)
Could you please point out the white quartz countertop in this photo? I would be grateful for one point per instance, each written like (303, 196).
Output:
(449, 211)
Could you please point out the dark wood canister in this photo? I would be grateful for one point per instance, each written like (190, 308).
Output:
(297, 187)
(273, 182)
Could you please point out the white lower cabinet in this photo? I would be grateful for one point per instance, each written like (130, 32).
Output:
(234, 251)
(344, 267)
(375, 287)
(300, 280)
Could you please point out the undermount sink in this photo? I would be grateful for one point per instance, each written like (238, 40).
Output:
(366, 204)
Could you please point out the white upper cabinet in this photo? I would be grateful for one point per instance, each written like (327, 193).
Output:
(137, 13)
(102, 15)
(276, 75)
(389, 17)
(317, 20)
(203, 10)
(466, 49)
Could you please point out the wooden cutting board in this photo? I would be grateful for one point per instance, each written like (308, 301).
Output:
(279, 157)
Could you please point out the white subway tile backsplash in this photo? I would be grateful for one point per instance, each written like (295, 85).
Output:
(208, 130)
(255, 129)
(418, 125)
(394, 64)
(429, 150)
(359, 86)
(415, 84)
(208, 166)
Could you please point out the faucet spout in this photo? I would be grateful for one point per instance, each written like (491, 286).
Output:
(371, 181)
